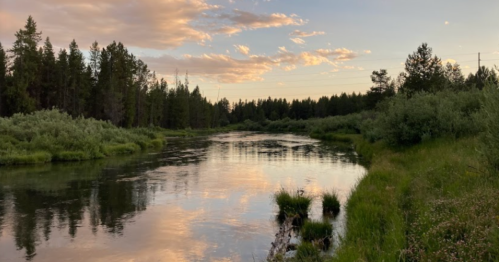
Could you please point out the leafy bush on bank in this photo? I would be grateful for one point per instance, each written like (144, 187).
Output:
(50, 135)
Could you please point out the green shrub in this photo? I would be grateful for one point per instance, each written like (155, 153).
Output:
(316, 230)
(424, 116)
(330, 203)
(122, 149)
(25, 159)
(490, 138)
(68, 139)
(71, 156)
(292, 204)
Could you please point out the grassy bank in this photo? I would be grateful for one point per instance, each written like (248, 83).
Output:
(429, 202)
(49, 135)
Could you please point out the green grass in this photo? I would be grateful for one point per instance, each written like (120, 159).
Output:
(291, 204)
(307, 252)
(429, 202)
(316, 230)
(330, 203)
(25, 158)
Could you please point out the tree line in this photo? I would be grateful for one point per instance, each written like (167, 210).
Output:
(115, 85)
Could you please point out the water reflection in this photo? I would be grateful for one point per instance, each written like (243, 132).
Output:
(201, 199)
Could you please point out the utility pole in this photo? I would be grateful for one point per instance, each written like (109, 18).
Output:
(478, 61)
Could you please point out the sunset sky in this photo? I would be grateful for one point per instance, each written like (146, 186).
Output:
(253, 49)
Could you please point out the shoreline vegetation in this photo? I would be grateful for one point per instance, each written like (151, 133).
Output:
(53, 136)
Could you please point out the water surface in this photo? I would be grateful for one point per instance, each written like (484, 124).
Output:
(199, 199)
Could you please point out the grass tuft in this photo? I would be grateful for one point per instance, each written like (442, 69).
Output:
(306, 251)
(291, 204)
(330, 203)
(316, 230)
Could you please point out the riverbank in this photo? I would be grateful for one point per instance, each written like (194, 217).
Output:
(50, 136)
(430, 202)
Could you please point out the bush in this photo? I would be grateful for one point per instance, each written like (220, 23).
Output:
(292, 204)
(65, 138)
(330, 203)
(71, 156)
(424, 116)
(316, 230)
(490, 138)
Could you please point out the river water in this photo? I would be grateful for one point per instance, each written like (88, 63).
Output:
(198, 199)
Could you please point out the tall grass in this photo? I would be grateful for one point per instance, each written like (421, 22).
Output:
(50, 135)
(429, 202)
(316, 230)
(330, 203)
(291, 204)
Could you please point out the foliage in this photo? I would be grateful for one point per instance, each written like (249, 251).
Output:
(51, 135)
(330, 203)
(424, 116)
(490, 138)
(291, 204)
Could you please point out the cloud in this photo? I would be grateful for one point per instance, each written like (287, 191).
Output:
(282, 49)
(148, 23)
(226, 69)
(450, 60)
(299, 33)
(248, 20)
(161, 25)
(220, 67)
(242, 49)
(367, 51)
(297, 41)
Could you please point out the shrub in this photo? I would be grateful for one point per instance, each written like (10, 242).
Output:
(292, 204)
(330, 203)
(71, 156)
(410, 121)
(121, 149)
(490, 138)
(65, 138)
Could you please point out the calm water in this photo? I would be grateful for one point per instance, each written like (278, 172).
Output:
(200, 199)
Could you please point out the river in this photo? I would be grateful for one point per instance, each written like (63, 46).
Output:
(198, 199)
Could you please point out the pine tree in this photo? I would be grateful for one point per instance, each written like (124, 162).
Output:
(423, 72)
(48, 77)
(3, 76)
(62, 78)
(25, 68)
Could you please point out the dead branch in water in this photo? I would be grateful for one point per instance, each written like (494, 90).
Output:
(282, 238)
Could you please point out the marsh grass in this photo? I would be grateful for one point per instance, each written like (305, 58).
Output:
(306, 251)
(291, 204)
(330, 203)
(320, 231)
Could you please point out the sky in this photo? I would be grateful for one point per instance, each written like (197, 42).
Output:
(250, 49)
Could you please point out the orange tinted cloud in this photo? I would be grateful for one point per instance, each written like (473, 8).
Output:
(152, 24)
(226, 69)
